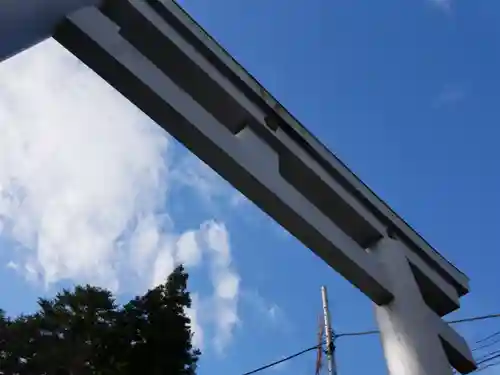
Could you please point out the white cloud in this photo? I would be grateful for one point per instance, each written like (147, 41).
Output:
(163, 266)
(188, 250)
(211, 238)
(226, 282)
(217, 239)
(84, 185)
(274, 311)
(192, 313)
(78, 164)
(442, 4)
(12, 265)
(144, 244)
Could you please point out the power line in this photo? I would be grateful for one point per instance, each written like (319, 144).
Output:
(458, 321)
(373, 332)
(486, 345)
(490, 365)
(284, 359)
(362, 333)
(488, 337)
(491, 358)
(486, 356)
(483, 317)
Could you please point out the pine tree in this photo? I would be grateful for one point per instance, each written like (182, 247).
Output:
(84, 332)
(161, 329)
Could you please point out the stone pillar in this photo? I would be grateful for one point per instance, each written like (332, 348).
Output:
(411, 345)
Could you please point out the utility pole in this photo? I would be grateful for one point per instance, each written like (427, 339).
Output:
(330, 346)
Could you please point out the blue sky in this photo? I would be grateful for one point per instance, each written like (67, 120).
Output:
(405, 92)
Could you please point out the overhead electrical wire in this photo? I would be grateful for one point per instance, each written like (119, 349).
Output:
(284, 359)
(489, 365)
(457, 321)
(373, 332)
(488, 337)
(487, 345)
(466, 320)
(491, 358)
(487, 342)
(483, 361)
(486, 356)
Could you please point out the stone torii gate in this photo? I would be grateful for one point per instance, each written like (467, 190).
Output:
(162, 61)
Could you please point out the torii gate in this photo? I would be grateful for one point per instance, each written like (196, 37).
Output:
(162, 61)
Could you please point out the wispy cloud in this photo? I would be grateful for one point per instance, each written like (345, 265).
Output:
(190, 172)
(226, 282)
(211, 239)
(84, 187)
(192, 313)
(444, 5)
(267, 311)
(449, 95)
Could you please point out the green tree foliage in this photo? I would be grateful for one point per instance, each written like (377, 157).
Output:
(84, 332)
